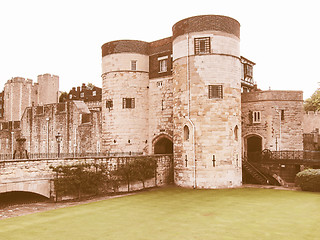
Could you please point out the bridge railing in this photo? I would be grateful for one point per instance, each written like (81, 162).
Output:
(66, 155)
(302, 155)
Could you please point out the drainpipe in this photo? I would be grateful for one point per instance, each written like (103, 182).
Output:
(190, 121)
(279, 111)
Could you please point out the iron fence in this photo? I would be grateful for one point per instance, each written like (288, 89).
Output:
(34, 156)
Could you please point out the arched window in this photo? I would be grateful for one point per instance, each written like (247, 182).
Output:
(236, 133)
(186, 132)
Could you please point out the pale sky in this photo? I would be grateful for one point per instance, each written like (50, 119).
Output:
(65, 37)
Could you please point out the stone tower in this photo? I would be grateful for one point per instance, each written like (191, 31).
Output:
(125, 79)
(19, 93)
(48, 86)
(207, 102)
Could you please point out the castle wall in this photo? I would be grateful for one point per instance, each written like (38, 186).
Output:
(311, 122)
(270, 104)
(80, 130)
(211, 156)
(160, 110)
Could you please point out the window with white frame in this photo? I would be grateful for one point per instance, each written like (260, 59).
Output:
(133, 65)
(202, 45)
(256, 117)
(163, 64)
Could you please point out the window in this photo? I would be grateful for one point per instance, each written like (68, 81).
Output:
(248, 71)
(94, 93)
(128, 103)
(133, 65)
(186, 132)
(109, 104)
(235, 131)
(39, 110)
(70, 96)
(282, 115)
(202, 45)
(215, 91)
(85, 118)
(82, 95)
(163, 65)
(256, 117)
(159, 84)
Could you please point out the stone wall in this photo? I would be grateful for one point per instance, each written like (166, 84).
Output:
(160, 110)
(79, 127)
(311, 122)
(275, 107)
(36, 175)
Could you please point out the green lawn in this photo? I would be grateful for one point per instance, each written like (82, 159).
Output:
(178, 214)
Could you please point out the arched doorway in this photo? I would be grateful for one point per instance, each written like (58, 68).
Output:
(254, 148)
(163, 145)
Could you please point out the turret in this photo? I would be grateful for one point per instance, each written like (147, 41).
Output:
(207, 102)
(125, 78)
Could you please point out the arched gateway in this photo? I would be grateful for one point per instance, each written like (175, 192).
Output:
(254, 147)
(163, 145)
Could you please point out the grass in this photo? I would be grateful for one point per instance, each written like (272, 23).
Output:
(175, 213)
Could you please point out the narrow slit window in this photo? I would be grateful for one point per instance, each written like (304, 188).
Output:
(256, 117)
(133, 65)
(282, 115)
(186, 133)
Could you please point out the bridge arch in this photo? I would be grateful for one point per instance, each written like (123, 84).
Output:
(40, 187)
(162, 144)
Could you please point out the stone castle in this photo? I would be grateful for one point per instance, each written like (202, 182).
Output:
(191, 95)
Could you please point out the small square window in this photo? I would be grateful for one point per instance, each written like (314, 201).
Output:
(94, 93)
(159, 84)
(133, 65)
(215, 91)
(82, 95)
(39, 110)
(109, 104)
(85, 118)
(202, 45)
(128, 103)
(256, 117)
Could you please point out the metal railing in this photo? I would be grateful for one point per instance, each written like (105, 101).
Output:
(290, 155)
(33, 156)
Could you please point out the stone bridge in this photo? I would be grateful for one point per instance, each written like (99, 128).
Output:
(36, 176)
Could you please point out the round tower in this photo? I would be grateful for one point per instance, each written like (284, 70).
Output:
(125, 77)
(207, 102)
